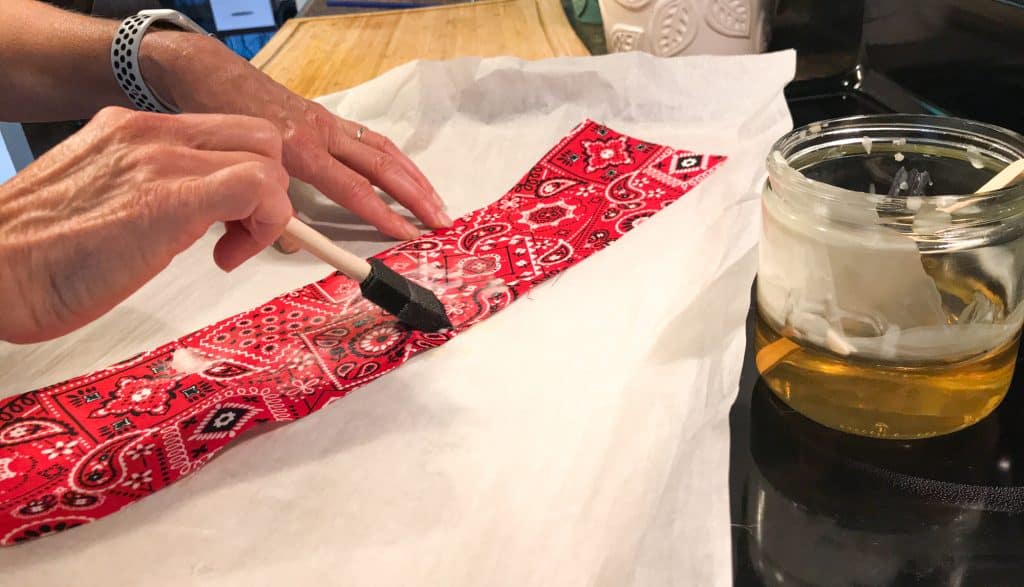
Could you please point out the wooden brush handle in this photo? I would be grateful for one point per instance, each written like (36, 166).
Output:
(324, 249)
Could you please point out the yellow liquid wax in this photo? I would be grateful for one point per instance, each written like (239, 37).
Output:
(882, 399)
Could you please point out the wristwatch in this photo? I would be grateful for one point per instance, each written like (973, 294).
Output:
(124, 55)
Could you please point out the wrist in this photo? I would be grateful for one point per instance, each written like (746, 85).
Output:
(19, 324)
(171, 61)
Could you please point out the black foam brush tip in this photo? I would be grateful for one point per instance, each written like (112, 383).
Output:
(410, 302)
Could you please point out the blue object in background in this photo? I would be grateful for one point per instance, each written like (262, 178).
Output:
(197, 10)
(245, 43)
(14, 150)
(248, 44)
(7, 169)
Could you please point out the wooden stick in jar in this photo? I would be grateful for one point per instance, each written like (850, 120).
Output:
(1002, 179)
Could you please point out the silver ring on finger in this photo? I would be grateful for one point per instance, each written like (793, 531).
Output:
(359, 133)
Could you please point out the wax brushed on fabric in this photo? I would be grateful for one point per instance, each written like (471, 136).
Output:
(590, 454)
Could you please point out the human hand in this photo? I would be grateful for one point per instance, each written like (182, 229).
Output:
(198, 74)
(91, 221)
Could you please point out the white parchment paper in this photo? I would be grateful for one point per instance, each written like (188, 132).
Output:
(580, 437)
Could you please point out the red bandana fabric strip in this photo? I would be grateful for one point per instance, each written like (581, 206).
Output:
(80, 450)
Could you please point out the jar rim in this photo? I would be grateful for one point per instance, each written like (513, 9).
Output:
(1007, 140)
(846, 137)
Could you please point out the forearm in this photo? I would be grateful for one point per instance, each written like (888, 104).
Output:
(56, 64)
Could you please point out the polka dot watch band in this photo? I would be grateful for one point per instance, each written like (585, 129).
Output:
(124, 56)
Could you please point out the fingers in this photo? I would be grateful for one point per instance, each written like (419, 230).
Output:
(354, 192)
(379, 160)
(383, 144)
(235, 247)
(385, 171)
(373, 160)
(255, 187)
(251, 198)
(287, 244)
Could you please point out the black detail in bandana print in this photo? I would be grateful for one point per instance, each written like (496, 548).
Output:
(598, 239)
(102, 467)
(39, 506)
(12, 408)
(631, 221)
(226, 370)
(223, 420)
(26, 430)
(687, 162)
(48, 528)
(568, 158)
(78, 501)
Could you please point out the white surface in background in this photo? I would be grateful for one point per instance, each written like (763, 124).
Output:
(580, 437)
(236, 15)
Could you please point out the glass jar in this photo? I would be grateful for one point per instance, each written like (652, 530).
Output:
(889, 293)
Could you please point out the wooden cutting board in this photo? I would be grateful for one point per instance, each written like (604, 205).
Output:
(317, 56)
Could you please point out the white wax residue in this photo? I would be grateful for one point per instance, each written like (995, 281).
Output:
(837, 344)
(904, 185)
(188, 361)
(815, 129)
(866, 141)
(890, 341)
(898, 156)
(972, 156)
(900, 142)
(929, 219)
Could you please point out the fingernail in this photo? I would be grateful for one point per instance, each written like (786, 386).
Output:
(286, 247)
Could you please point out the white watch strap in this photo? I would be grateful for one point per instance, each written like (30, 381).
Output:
(124, 56)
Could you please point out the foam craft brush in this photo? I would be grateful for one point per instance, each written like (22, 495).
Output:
(410, 302)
